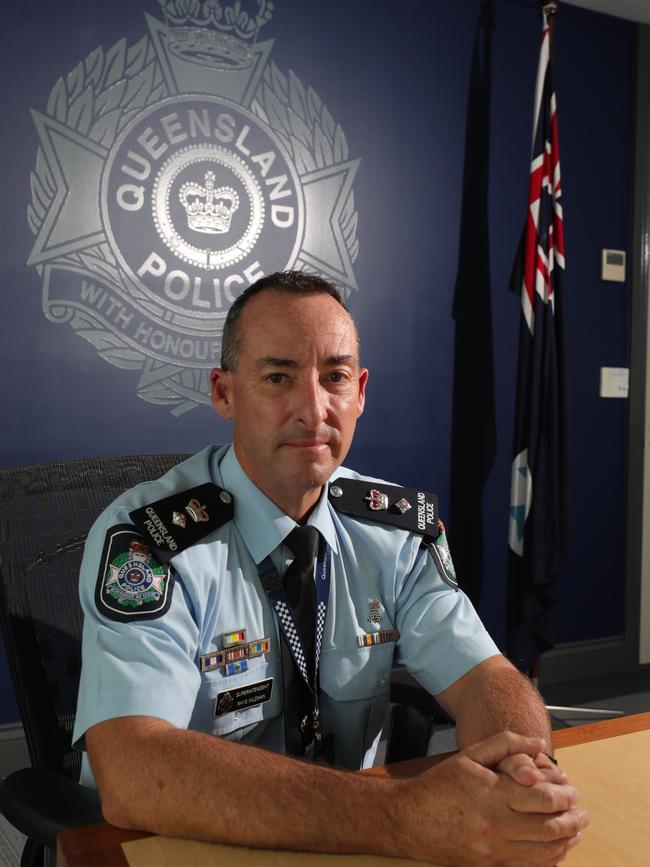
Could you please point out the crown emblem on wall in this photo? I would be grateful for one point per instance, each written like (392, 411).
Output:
(213, 33)
(208, 209)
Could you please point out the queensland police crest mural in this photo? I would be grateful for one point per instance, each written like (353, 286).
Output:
(173, 172)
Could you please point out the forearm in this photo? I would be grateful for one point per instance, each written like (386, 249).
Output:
(188, 784)
(155, 777)
(496, 698)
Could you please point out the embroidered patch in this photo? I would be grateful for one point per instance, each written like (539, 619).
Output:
(441, 554)
(242, 697)
(131, 584)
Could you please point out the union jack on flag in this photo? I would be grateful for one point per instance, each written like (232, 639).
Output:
(537, 502)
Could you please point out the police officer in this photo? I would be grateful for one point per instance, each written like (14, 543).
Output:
(260, 592)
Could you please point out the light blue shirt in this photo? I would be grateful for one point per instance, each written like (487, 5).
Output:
(151, 667)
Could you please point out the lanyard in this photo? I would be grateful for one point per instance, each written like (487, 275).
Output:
(274, 589)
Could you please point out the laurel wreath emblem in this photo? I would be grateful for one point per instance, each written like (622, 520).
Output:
(97, 99)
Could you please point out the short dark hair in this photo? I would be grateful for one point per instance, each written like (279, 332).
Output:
(290, 282)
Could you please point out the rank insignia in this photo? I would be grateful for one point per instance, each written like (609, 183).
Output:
(197, 512)
(377, 501)
(230, 639)
(179, 519)
(374, 612)
(131, 584)
(371, 638)
(403, 506)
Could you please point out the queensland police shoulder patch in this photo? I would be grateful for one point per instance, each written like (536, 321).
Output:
(131, 584)
(439, 550)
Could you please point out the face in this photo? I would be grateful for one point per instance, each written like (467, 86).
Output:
(295, 396)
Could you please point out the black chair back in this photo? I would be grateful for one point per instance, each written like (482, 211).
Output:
(46, 512)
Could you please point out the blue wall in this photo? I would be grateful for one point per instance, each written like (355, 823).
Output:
(436, 101)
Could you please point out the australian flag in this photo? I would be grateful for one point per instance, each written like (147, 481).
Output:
(537, 502)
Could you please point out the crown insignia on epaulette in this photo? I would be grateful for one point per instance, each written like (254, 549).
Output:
(212, 33)
(196, 511)
(208, 209)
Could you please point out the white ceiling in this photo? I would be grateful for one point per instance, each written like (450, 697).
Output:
(635, 10)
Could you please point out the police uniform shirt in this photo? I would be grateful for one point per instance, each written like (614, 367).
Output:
(381, 579)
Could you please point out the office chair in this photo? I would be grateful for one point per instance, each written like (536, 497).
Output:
(46, 512)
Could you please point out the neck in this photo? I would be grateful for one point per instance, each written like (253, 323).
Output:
(295, 499)
(298, 507)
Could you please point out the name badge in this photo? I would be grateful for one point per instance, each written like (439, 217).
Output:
(242, 697)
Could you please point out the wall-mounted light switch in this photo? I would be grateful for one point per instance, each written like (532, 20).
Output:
(614, 265)
(614, 381)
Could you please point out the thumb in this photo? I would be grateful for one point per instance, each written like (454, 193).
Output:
(493, 750)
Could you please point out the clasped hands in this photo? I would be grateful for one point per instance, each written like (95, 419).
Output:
(502, 803)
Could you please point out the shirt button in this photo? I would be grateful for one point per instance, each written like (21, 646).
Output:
(381, 680)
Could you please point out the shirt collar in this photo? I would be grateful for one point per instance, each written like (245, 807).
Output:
(262, 525)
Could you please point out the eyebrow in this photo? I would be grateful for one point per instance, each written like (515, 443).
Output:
(332, 361)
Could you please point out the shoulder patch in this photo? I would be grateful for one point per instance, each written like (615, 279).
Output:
(131, 584)
(406, 508)
(439, 550)
(175, 523)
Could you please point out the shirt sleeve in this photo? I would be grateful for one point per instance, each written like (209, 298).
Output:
(141, 667)
(441, 634)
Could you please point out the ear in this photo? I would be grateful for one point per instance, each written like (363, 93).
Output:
(221, 393)
(361, 399)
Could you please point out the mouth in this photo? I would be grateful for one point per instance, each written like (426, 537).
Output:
(307, 445)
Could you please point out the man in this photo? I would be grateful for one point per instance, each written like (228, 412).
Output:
(182, 595)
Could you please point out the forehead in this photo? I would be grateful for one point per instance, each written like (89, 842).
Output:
(291, 323)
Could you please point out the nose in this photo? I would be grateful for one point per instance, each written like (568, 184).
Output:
(311, 403)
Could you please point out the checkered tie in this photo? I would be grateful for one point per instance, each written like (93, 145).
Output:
(300, 591)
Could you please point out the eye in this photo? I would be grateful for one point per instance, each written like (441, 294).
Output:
(275, 378)
(338, 376)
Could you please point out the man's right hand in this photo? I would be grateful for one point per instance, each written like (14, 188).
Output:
(465, 812)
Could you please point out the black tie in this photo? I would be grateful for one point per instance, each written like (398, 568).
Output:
(300, 590)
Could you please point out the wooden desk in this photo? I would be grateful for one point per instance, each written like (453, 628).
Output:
(101, 845)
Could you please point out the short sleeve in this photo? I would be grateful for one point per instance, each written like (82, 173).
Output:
(143, 663)
(441, 634)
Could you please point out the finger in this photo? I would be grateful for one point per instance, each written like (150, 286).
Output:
(495, 749)
(541, 797)
(540, 854)
(552, 773)
(522, 770)
(531, 827)
(525, 770)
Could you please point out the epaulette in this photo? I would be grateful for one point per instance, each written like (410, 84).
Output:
(175, 523)
(406, 508)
